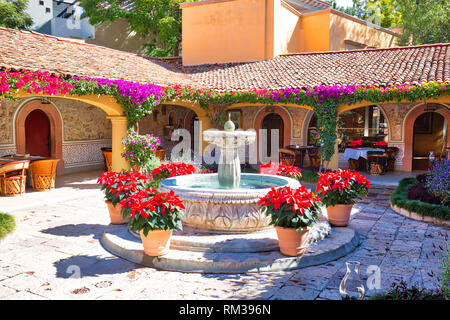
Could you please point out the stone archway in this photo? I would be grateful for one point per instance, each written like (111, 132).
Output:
(409, 129)
(56, 129)
(283, 114)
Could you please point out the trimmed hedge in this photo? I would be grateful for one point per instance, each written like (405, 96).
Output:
(399, 198)
(7, 224)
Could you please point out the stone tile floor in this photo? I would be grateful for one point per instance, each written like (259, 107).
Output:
(55, 253)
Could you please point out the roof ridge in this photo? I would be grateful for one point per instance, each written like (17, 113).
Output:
(369, 49)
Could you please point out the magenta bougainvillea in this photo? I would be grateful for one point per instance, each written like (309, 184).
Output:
(138, 100)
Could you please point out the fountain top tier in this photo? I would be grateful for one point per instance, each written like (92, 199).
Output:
(229, 139)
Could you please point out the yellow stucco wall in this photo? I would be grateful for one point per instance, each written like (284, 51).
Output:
(314, 30)
(344, 28)
(117, 35)
(219, 31)
(224, 31)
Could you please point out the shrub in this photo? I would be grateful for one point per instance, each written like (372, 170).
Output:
(119, 185)
(419, 192)
(280, 169)
(139, 149)
(153, 210)
(342, 187)
(438, 180)
(7, 224)
(399, 198)
(291, 208)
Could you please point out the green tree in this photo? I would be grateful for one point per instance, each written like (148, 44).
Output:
(424, 21)
(13, 15)
(161, 19)
(384, 13)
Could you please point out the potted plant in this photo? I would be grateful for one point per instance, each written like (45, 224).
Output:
(140, 149)
(171, 169)
(280, 169)
(381, 145)
(292, 212)
(340, 190)
(118, 186)
(154, 215)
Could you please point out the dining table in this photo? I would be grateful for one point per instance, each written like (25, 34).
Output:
(359, 154)
(356, 153)
(20, 157)
(301, 152)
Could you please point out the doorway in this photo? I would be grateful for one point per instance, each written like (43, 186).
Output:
(37, 134)
(271, 122)
(429, 135)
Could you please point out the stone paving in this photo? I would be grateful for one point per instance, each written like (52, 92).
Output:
(55, 253)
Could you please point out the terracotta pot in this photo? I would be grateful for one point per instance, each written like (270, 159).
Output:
(157, 242)
(339, 215)
(291, 242)
(114, 213)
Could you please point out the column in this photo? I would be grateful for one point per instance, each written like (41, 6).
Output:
(119, 131)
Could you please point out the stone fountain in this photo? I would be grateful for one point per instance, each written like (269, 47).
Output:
(226, 201)
(224, 229)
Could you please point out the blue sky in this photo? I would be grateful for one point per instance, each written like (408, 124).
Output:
(345, 3)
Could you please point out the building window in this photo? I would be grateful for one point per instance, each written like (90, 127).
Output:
(47, 10)
(41, 3)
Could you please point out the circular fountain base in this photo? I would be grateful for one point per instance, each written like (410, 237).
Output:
(212, 208)
(232, 253)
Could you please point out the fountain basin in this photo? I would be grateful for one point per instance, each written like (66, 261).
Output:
(214, 208)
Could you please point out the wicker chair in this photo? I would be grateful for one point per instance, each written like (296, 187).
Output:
(353, 164)
(392, 154)
(43, 174)
(13, 178)
(313, 154)
(376, 162)
(287, 157)
(161, 154)
(107, 156)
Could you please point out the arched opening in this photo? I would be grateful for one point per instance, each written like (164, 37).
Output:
(37, 134)
(410, 133)
(54, 138)
(429, 136)
(271, 123)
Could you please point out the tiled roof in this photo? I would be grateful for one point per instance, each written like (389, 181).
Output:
(33, 51)
(382, 67)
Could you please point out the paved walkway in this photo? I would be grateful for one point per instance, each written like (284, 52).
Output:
(55, 243)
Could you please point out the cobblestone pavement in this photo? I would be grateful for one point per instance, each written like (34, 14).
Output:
(53, 244)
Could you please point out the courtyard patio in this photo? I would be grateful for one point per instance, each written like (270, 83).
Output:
(55, 253)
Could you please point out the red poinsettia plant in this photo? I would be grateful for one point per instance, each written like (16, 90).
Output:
(119, 185)
(171, 169)
(381, 144)
(354, 143)
(280, 169)
(153, 210)
(342, 187)
(291, 208)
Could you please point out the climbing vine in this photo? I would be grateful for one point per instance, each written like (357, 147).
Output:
(138, 100)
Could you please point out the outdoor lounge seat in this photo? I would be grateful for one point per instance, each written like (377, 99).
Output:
(107, 156)
(313, 154)
(161, 154)
(287, 157)
(13, 178)
(376, 162)
(392, 154)
(43, 174)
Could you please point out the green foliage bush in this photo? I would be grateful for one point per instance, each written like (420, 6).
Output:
(399, 198)
(7, 224)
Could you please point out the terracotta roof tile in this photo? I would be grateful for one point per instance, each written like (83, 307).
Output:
(383, 67)
(30, 50)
